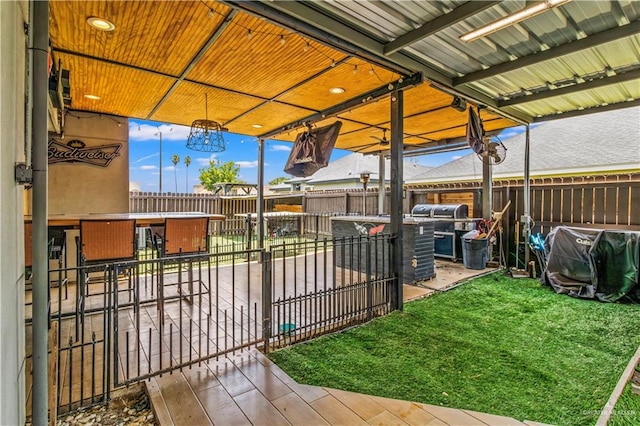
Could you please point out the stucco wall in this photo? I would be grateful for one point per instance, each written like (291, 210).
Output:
(13, 15)
(80, 187)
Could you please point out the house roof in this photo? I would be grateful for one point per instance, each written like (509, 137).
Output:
(602, 142)
(350, 166)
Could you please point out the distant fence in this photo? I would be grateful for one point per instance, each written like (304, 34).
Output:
(605, 201)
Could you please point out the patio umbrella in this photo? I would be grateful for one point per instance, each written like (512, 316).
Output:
(475, 132)
(312, 150)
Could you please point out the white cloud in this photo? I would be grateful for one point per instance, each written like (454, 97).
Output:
(204, 161)
(146, 157)
(147, 132)
(247, 164)
(169, 168)
(284, 148)
(148, 167)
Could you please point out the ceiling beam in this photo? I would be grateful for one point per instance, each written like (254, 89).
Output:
(205, 47)
(302, 17)
(592, 110)
(565, 49)
(441, 22)
(593, 84)
(354, 102)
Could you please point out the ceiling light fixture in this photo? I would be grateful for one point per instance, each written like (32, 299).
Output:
(206, 135)
(336, 90)
(101, 24)
(509, 20)
(92, 97)
(257, 126)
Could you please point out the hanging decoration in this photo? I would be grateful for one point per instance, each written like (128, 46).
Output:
(206, 135)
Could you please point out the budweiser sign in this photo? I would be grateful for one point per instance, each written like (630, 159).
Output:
(76, 151)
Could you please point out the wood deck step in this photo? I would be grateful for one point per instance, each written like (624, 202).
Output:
(249, 389)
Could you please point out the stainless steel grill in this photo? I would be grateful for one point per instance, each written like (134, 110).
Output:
(449, 221)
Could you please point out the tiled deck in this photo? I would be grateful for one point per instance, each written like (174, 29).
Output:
(248, 389)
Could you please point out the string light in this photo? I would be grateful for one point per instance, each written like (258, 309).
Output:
(390, 86)
(306, 47)
(333, 63)
(211, 14)
(371, 71)
(249, 35)
(355, 69)
(282, 40)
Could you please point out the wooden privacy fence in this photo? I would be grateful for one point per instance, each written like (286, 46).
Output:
(146, 202)
(605, 201)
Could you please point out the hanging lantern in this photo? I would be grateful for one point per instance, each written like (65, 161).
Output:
(206, 135)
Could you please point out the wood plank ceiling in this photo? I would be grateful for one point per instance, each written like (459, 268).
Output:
(163, 57)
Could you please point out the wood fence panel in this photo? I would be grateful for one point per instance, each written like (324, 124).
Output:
(611, 205)
(634, 212)
(624, 205)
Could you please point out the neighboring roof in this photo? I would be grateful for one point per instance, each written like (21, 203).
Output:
(350, 166)
(602, 142)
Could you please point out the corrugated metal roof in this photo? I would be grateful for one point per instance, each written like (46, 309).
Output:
(556, 28)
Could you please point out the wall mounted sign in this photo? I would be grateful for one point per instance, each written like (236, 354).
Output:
(76, 151)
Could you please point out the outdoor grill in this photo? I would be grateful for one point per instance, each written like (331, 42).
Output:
(447, 219)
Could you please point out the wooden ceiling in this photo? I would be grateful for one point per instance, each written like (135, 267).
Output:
(164, 57)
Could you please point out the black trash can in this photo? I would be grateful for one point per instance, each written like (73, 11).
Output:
(475, 253)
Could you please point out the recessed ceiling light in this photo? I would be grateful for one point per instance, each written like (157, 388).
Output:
(92, 97)
(336, 90)
(257, 126)
(101, 24)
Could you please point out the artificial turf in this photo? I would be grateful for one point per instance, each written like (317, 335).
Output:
(496, 344)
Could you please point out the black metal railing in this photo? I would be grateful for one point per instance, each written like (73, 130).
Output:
(324, 286)
(129, 321)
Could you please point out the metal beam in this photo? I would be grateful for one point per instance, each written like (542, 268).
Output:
(565, 49)
(396, 204)
(593, 84)
(370, 96)
(592, 110)
(40, 254)
(437, 24)
(205, 47)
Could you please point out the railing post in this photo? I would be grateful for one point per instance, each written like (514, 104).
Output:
(248, 230)
(368, 277)
(266, 298)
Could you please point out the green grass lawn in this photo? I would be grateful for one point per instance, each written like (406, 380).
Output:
(496, 345)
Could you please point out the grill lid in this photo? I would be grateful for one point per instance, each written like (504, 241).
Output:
(446, 211)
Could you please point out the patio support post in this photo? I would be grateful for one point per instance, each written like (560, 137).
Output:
(397, 100)
(487, 188)
(40, 28)
(260, 199)
(527, 200)
(381, 186)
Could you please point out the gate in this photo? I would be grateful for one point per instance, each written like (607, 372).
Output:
(184, 310)
(323, 286)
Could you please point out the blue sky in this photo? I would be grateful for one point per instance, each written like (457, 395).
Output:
(144, 156)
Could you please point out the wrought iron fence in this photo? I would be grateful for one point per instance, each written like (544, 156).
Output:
(324, 286)
(129, 321)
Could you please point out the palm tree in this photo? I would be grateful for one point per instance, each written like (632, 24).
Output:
(187, 162)
(175, 159)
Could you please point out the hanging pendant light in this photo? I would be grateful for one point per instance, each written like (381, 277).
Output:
(206, 135)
